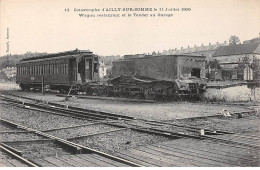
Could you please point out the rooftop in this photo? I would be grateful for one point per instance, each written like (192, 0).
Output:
(249, 48)
(73, 52)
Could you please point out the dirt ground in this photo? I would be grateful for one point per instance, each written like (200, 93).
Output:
(154, 111)
(8, 86)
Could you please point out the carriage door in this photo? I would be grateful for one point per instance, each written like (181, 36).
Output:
(72, 70)
(88, 69)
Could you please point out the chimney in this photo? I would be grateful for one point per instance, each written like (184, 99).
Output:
(217, 42)
(188, 46)
(209, 44)
(202, 44)
(181, 48)
(225, 42)
(175, 49)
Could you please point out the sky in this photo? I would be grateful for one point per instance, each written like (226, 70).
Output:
(44, 26)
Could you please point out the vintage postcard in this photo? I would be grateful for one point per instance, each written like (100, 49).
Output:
(129, 83)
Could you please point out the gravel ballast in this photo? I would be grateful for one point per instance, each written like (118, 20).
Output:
(8, 137)
(80, 131)
(34, 151)
(37, 120)
(120, 140)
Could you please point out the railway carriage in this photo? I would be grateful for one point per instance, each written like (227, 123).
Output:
(58, 71)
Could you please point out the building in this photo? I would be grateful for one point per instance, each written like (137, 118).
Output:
(201, 50)
(236, 60)
(102, 69)
(10, 72)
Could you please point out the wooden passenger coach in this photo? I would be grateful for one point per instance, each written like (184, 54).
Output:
(59, 70)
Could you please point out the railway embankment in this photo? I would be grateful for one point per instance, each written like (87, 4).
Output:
(232, 92)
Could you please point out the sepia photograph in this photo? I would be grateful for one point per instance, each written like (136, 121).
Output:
(129, 83)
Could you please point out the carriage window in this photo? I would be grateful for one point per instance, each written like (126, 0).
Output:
(44, 69)
(47, 71)
(62, 68)
(96, 67)
(58, 68)
(79, 67)
(40, 70)
(87, 64)
(66, 68)
(51, 66)
(54, 69)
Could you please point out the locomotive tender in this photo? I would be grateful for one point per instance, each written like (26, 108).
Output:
(164, 76)
(59, 71)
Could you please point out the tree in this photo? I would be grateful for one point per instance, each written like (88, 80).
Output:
(3, 76)
(213, 64)
(233, 40)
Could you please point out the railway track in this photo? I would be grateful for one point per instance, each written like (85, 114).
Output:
(73, 147)
(104, 116)
(101, 116)
(230, 140)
